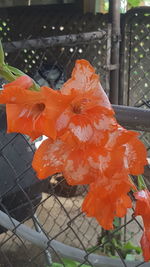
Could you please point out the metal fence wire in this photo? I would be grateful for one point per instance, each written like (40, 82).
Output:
(135, 56)
(41, 222)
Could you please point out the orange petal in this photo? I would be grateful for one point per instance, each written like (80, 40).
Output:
(20, 118)
(45, 125)
(145, 245)
(100, 209)
(102, 98)
(17, 95)
(119, 136)
(55, 102)
(49, 158)
(115, 162)
(84, 80)
(108, 163)
(30, 120)
(23, 82)
(136, 156)
(122, 204)
(63, 121)
(81, 128)
(105, 208)
(105, 123)
(142, 203)
(76, 169)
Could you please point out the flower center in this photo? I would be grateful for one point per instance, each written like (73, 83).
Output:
(79, 106)
(40, 107)
(76, 109)
(37, 110)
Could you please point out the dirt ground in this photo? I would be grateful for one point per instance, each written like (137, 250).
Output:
(59, 218)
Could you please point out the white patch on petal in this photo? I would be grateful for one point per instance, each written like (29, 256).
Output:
(77, 174)
(95, 165)
(130, 153)
(83, 133)
(23, 112)
(112, 139)
(62, 121)
(51, 158)
(126, 165)
(56, 146)
(142, 194)
(104, 162)
(102, 97)
(101, 164)
(104, 123)
(54, 161)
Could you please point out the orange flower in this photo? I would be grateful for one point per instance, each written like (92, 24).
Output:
(89, 120)
(143, 209)
(32, 112)
(85, 141)
(105, 209)
(89, 115)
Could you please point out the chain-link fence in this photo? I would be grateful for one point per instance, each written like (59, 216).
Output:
(135, 79)
(45, 42)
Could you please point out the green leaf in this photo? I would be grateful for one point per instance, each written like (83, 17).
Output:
(134, 3)
(69, 263)
(116, 222)
(130, 247)
(18, 73)
(72, 263)
(6, 74)
(15, 71)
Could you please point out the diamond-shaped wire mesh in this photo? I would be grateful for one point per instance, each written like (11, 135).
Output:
(47, 24)
(57, 205)
(136, 56)
(136, 61)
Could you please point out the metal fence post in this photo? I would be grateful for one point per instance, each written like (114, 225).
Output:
(114, 17)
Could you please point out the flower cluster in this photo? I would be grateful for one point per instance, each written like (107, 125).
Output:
(85, 142)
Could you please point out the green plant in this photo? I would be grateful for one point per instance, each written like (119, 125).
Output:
(111, 240)
(134, 3)
(68, 263)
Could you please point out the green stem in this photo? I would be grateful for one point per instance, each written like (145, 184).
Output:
(6, 73)
(141, 183)
(1, 54)
(10, 73)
